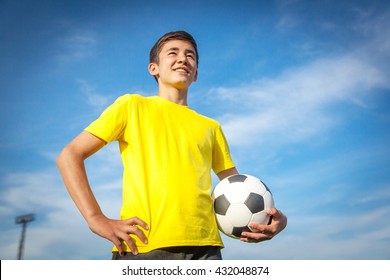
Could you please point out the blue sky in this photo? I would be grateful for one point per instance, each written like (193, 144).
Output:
(301, 88)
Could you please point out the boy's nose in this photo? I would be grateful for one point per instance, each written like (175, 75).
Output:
(182, 58)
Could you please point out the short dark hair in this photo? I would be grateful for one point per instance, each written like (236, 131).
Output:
(175, 35)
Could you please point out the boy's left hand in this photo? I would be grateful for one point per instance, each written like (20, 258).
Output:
(266, 232)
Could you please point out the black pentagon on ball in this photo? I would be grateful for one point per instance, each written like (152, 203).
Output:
(238, 230)
(237, 178)
(255, 202)
(221, 205)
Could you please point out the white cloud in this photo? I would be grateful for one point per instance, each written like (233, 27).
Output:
(299, 103)
(59, 231)
(93, 99)
(295, 106)
(76, 45)
(383, 192)
(31, 191)
(358, 236)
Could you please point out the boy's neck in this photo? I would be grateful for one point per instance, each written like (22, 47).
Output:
(174, 95)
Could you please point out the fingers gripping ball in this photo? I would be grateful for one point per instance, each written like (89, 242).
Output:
(239, 200)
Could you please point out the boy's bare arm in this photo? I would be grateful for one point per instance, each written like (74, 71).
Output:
(71, 165)
(226, 173)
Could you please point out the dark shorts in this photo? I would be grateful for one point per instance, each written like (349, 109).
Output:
(175, 253)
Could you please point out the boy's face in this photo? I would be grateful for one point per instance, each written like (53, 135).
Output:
(177, 65)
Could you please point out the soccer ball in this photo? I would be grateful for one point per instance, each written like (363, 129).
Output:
(239, 200)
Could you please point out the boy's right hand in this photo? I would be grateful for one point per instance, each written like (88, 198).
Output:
(118, 231)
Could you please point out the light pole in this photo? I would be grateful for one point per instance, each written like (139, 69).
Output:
(24, 219)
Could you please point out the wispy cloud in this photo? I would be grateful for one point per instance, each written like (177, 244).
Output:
(294, 106)
(299, 103)
(344, 236)
(95, 100)
(58, 223)
(76, 45)
(382, 193)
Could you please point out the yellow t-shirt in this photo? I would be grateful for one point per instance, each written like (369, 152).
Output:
(168, 152)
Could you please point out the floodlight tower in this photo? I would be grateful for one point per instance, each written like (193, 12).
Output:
(24, 219)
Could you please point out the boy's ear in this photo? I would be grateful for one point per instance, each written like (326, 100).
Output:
(153, 69)
(196, 76)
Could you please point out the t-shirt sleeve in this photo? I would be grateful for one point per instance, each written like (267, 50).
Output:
(221, 153)
(112, 122)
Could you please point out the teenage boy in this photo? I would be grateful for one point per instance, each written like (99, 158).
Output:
(168, 152)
